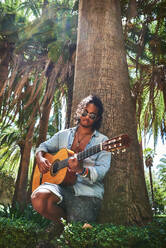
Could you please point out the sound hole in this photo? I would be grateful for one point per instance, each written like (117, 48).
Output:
(54, 167)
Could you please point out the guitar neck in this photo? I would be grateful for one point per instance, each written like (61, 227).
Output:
(111, 145)
(80, 156)
(89, 152)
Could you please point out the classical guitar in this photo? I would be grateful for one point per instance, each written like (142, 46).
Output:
(59, 172)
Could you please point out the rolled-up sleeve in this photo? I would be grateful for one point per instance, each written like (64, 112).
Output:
(50, 145)
(102, 164)
(100, 167)
(58, 141)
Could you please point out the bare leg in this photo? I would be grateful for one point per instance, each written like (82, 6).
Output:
(45, 203)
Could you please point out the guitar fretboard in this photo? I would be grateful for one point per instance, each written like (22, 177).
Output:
(89, 152)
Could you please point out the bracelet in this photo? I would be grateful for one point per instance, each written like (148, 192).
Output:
(85, 172)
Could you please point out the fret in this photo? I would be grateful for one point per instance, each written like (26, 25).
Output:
(87, 153)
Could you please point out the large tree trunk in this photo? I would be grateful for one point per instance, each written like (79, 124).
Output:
(70, 83)
(43, 128)
(20, 194)
(101, 69)
(43, 125)
(5, 57)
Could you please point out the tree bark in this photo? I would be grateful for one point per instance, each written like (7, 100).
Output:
(20, 194)
(101, 69)
(5, 57)
(70, 83)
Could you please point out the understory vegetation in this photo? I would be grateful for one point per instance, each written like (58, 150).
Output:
(29, 229)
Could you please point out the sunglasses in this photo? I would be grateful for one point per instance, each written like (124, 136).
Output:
(92, 116)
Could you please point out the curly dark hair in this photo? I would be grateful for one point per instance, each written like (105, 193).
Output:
(81, 106)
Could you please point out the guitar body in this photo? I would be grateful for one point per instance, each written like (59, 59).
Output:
(61, 176)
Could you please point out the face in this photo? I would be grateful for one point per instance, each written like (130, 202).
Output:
(89, 116)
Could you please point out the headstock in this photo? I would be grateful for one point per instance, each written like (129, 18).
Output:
(117, 143)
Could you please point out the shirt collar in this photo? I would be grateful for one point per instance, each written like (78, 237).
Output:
(74, 129)
(95, 133)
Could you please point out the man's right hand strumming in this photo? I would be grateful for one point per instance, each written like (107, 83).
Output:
(42, 162)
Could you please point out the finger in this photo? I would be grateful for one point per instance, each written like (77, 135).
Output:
(44, 170)
(70, 163)
(70, 153)
(43, 167)
(69, 169)
(75, 155)
(71, 160)
(48, 164)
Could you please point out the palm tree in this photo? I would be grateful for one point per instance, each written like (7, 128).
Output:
(28, 91)
(9, 150)
(145, 43)
(149, 154)
(8, 38)
(101, 69)
(162, 170)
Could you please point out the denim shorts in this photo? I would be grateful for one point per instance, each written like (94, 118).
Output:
(77, 208)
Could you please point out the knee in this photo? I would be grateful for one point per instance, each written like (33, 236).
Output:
(37, 200)
(35, 196)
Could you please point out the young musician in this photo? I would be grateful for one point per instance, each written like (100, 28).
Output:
(81, 201)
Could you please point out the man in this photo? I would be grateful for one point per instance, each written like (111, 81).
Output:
(81, 201)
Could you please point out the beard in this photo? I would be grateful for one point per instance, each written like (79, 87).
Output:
(86, 124)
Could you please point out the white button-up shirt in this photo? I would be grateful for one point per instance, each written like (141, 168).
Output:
(98, 164)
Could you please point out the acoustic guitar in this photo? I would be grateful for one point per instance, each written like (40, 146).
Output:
(59, 172)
